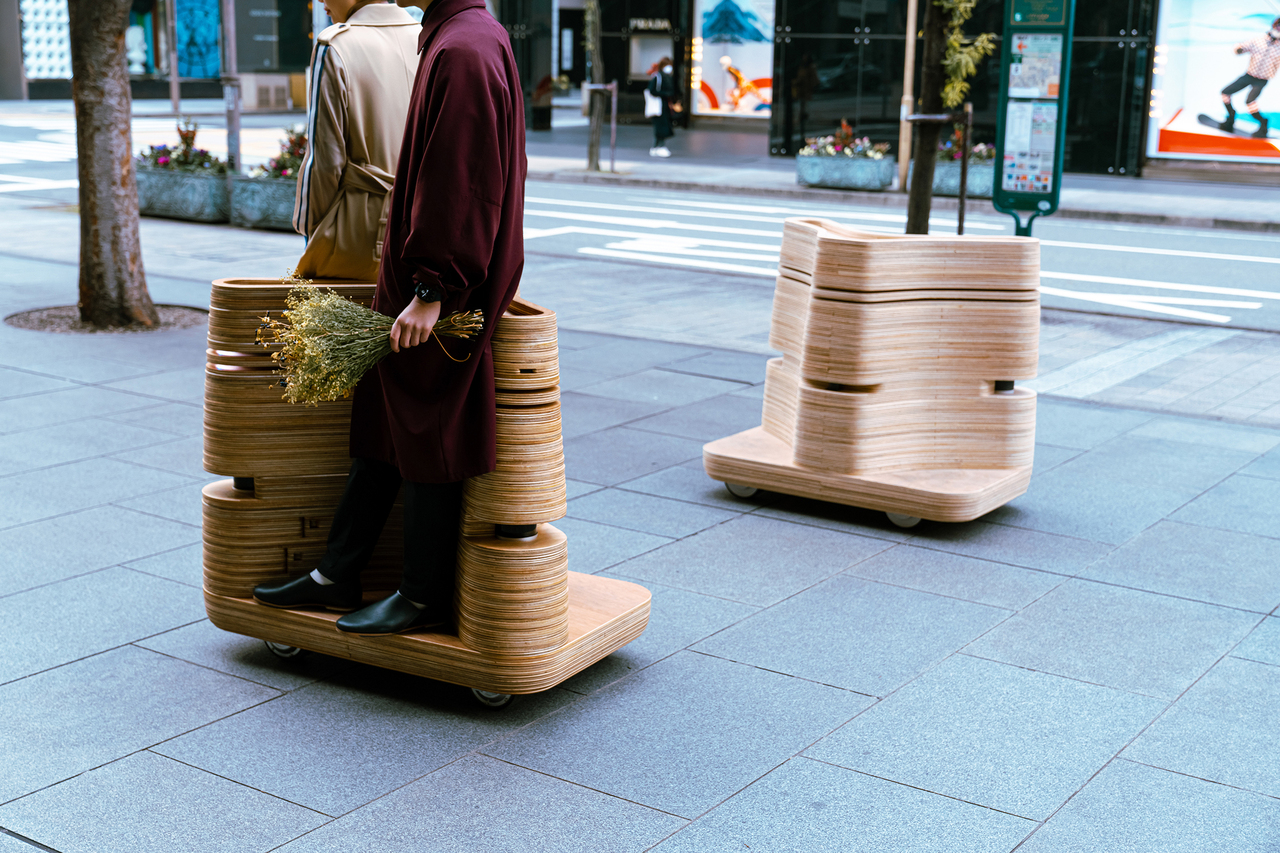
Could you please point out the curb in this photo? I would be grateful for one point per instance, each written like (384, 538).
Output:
(896, 200)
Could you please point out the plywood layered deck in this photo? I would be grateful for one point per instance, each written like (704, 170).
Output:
(885, 396)
(524, 622)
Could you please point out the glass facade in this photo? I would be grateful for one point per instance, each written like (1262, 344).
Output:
(837, 59)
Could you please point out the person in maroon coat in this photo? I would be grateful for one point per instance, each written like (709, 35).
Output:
(454, 242)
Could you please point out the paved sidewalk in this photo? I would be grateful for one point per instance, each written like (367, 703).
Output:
(1095, 666)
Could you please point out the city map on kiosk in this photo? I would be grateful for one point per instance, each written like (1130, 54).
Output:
(1214, 95)
(732, 69)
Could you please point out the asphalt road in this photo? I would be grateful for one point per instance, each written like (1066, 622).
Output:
(1210, 277)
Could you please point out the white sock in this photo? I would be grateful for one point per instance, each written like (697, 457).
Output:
(320, 579)
(414, 603)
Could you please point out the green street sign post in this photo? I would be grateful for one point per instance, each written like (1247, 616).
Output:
(1035, 66)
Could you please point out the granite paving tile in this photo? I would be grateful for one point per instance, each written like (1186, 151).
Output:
(1030, 549)
(91, 370)
(1223, 729)
(808, 807)
(681, 735)
(145, 803)
(1049, 457)
(96, 611)
(1080, 426)
(706, 420)
(677, 620)
(595, 547)
(661, 387)
(855, 634)
(477, 803)
(572, 339)
(44, 410)
(966, 578)
(612, 456)
(334, 746)
(183, 504)
(67, 720)
(1262, 644)
(181, 386)
(572, 378)
(71, 442)
(76, 486)
(1091, 507)
(1011, 739)
(1246, 504)
(66, 545)
(1209, 434)
(13, 844)
(647, 513)
(1201, 563)
(21, 383)
(1117, 637)
(1267, 465)
(576, 489)
(832, 516)
(244, 657)
(180, 456)
(624, 356)
(175, 418)
(737, 366)
(184, 565)
(689, 482)
(1146, 461)
(728, 561)
(1133, 807)
(581, 414)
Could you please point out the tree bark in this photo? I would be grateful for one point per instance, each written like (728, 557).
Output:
(113, 285)
(596, 103)
(932, 79)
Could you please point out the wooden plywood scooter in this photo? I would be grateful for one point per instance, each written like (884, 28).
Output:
(524, 621)
(895, 390)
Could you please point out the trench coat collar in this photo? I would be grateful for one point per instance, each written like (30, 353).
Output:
(380, 15)
(439, 12)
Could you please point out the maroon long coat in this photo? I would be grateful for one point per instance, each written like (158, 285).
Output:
(455, 223)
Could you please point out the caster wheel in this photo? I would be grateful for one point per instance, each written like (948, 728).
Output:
(740, 491)
(491, 700)
(903, 520)
(280, 650)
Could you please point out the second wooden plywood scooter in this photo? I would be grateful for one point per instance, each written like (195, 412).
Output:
(895, 391)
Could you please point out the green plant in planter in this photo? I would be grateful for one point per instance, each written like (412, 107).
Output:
(288, 162)
(844, 144)
(185, 157)
(953, 147)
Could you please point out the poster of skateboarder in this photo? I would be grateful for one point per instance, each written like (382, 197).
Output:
(732, 68)
(1214, 92)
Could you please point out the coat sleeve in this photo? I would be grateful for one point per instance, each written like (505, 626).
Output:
(463, 152)
(321, 170)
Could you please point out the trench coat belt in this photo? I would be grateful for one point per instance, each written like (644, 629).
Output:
(367, 178)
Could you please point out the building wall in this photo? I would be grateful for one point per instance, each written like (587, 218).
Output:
(837, 59)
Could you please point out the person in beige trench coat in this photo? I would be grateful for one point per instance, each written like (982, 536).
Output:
(362, 71)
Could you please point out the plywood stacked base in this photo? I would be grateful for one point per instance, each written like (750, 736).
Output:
(894, 390)
(524, 622)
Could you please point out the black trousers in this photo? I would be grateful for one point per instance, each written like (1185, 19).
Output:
(1246, 81)
(431, 517)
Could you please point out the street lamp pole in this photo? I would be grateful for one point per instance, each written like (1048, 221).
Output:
(908, 97)
(231, 87)
(175, 84)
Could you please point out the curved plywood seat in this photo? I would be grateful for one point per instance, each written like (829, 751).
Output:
(524, 621)
(887, 392)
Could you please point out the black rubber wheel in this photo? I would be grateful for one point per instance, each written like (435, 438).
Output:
(740, 491)
(490, 699)
(280, 650)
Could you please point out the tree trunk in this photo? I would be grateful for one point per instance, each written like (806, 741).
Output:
(596, 103)
(932, 79)
(113, 285)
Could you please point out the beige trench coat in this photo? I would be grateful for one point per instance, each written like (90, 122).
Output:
(360, 78)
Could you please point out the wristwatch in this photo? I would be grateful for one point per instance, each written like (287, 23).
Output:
(426, 292)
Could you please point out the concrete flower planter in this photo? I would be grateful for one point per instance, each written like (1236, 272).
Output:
(946, 178)
(265, 203)
(846, 173)
(182, 195)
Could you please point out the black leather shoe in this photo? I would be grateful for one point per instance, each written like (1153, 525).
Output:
(394, 614)
(305, 592)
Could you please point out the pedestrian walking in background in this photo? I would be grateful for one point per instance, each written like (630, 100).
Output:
(362, 71)
(659, 95)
